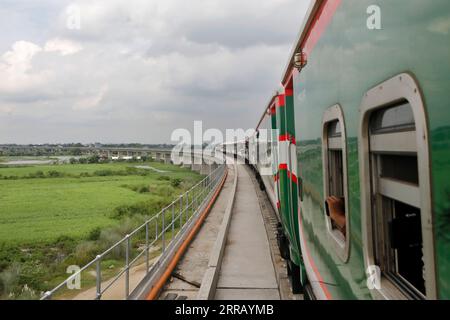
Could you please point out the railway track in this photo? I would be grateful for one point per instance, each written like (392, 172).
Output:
(234, 255)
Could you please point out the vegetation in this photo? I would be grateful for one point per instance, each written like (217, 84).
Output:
(53, 216)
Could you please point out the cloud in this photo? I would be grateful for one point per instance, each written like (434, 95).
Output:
(144, 66)
(93, 101)
(63, 46)
(15, 67)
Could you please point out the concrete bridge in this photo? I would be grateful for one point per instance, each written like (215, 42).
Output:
(109, 152)
(194, 159)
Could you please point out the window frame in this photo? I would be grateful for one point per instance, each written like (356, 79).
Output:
(397, 89)
(332, 114)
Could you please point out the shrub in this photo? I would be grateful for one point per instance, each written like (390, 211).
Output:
(93, 159)
(108, 238)
(26, 293)
(140, 188)
(176, 182)
(36, 175)
(55, 174)
(146, 209)
(111, 236)
(9, 279)
(165, 191)
(128, 211)
(86, 252)
(132, 170)
(94, 235)
(104, 173)
(163, 178)
(65, 242)
(144, 189)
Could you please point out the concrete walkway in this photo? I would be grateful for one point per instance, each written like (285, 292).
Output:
(247, 271)
(188, 275)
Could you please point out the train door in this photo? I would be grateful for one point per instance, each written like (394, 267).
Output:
(288, 189)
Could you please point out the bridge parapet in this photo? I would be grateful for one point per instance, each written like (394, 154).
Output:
(164, 233)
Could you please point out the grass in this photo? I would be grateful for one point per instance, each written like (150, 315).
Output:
(50, 221)
(23, 171)
(41, 210)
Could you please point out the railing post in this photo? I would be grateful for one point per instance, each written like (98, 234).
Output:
(98, 279)
(127, 266)
(181, 213)
(156, 229)
(163, 231)
(205, 194)
(173, 221)
(187, 206)
(195, 201)
(147, 248)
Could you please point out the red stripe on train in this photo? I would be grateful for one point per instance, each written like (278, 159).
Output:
(273, 110)
(287, 137)
(323, 19)
(281, 101)
(294, 178)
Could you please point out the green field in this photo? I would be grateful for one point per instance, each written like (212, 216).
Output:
(52, 216)
(41, 210)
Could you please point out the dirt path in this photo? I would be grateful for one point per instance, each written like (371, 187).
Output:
(117, 290)
(151, 168)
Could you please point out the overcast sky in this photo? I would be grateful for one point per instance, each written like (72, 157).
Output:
(136, 70)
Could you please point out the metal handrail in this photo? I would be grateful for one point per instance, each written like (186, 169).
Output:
(187, 206)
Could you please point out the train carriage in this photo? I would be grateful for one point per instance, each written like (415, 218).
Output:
(360, 169)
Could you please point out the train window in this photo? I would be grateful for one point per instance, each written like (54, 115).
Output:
(395, 180)
(394, 119)
(335, 161)
(335, 180)
(401, 168)
(395, 193)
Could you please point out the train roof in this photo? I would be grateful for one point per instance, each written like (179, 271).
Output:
(313, 10)
(310, 18)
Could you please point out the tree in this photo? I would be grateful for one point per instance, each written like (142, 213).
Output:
(93, 159)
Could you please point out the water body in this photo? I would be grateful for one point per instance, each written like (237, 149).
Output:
(27, 162)
(151, 168)
(30, 162)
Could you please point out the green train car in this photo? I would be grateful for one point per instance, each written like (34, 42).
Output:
(360, 170)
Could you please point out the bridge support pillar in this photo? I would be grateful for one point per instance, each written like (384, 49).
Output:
(188, 160)
(167, 158)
